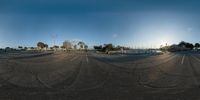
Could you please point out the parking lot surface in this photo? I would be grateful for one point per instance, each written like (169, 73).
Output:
(93, 76)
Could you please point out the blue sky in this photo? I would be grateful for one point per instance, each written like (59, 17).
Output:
(134, 23)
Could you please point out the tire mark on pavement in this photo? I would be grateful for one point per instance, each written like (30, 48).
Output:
(4, 81)
(136, 64)
(38, 78)
(95, 86)
(149, 84)
(69, 81)
(42, 82)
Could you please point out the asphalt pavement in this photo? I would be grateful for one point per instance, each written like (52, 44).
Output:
(93, 76)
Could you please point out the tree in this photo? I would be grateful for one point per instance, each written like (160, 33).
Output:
(182, 44)
(197, 45)
(20, 47)
(46, 45)
(55, 46)
(108, 47)
(51, 48)
(32, 48)
(118, 47)
(81, 44)
(75, 46)
(25, 48)
(40, 45)
(62, 47)
(98, 47)
(86, 47)
(189, 45)
(67, 44)
(7, 49)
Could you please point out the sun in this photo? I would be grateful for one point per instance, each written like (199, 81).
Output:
(163, 41)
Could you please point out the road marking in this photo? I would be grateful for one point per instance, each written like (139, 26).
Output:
(182, 61)
(87, 58)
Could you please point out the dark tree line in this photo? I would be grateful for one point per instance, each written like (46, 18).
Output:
(197, 45)
(109, 47)
(182, 46)
(104, 48)
(186, 45)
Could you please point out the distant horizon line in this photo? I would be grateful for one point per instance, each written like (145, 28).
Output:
(138, 46)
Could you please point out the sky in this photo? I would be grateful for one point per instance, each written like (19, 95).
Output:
(133, 23)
